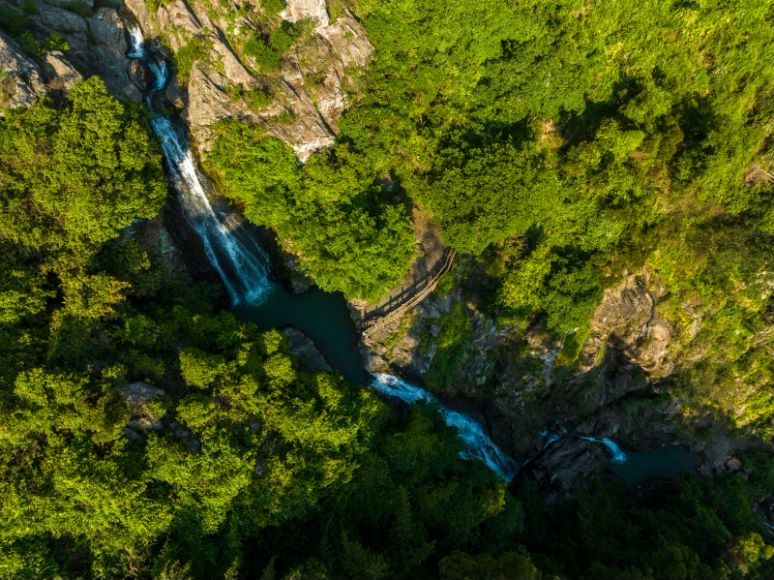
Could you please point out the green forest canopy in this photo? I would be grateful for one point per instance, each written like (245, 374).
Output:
(142, 434)
(595, 130)
(557, 144)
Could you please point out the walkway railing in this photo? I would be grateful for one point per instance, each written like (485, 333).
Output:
(375, 320)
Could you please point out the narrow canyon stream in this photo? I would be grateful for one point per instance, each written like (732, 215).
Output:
(244, 266)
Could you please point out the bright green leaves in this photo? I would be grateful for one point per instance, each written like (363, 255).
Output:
(279, 371)
(484, 195)
(73, 179)
(200, 369)
(259, 171)
(22, 294)
(340, 221)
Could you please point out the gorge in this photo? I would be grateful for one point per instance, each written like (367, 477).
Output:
(361, 289)
(244, 268)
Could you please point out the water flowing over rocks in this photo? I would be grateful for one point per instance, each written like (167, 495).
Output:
(308, 89)
(613, 390)
(477, 443)
(241, 263)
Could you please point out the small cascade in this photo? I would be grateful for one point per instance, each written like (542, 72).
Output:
(478, 444)
(548, 366)
(392, 386)
(136, 43)
(160, 72)
(549, 438)
(239, 260)
(619, 456)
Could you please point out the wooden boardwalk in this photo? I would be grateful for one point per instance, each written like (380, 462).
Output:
(375, 321)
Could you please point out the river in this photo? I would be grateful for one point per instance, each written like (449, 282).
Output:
(244, 266)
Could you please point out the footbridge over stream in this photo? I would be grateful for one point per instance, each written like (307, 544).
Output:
(375, 322)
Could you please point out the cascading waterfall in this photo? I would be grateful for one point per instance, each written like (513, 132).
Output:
(244, 266)
(618, 454)
(136, 43)
(238, 259)
(160, 72)
(224, 249)
(549, 438)
(477, 443)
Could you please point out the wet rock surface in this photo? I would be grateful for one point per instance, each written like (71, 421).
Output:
(565, 465)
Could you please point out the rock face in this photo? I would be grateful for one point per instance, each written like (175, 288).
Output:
(106, 57)
(611, 390)
(565, 464)
(303, 347)
(96, 45)
(297, 10)
(307, 94)
(62, 74)
(21, 80)
(137, 397)
(627, 319)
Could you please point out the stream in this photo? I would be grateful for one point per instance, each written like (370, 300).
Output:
(244, 266)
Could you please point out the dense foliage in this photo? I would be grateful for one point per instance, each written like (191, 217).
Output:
(594, 134)
(143, 434)
(348, 234)
(557, 145)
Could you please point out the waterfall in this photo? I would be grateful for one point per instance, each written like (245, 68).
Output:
(136, 43)
(548, 365)
(392, 386)
(619, 456)
(239, 260)
(160, 72)
(549, 438)
(242, 266)
(477, 443)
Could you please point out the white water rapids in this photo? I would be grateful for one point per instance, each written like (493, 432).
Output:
(618, 455)
(477, 443)
(239, 260)
(136, 43)
(244, 266)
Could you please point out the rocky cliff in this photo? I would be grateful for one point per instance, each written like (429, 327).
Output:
(74, 40)
(286, 70)
(519, 381)
(21, 83)
(62, 46)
